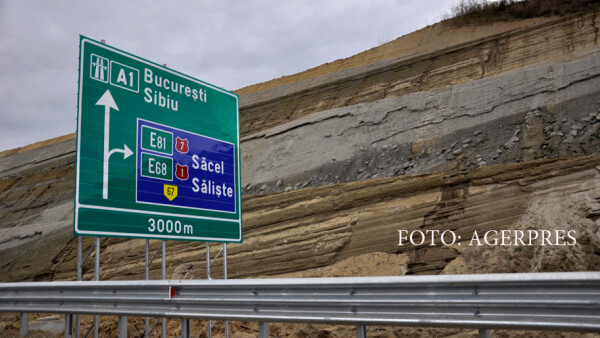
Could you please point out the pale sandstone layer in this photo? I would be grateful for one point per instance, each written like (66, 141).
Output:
(553, 40)
(293, 233)
(428, 39)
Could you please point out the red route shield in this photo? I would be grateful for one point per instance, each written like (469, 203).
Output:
(182, 145)
(182, 172)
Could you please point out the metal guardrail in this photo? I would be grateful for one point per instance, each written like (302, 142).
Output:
(540, 301)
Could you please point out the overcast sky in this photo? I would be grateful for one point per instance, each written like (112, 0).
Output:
(228, 43)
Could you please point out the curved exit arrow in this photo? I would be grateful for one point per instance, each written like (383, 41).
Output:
(126, 151)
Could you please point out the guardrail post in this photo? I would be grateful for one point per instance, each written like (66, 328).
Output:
(122, 326)
(263, 330)
(69, 325)
(186, 328)
(24, 326)
(361, 331)
(485, 333)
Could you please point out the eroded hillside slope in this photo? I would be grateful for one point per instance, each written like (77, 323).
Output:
(552, 40)
(495, 128)
(490, 116)
(299, 232)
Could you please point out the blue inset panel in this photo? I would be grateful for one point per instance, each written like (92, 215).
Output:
(203, 171)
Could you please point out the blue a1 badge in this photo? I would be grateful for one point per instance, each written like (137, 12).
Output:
(182, 169)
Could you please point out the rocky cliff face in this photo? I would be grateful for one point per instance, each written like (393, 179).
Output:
(472, 116)
(479, 136)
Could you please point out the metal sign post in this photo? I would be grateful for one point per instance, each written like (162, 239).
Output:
(209, 263)
(163, 249)
(80, 262)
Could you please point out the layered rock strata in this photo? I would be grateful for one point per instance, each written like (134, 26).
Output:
(293, 233)
(404, 143)
(548, 110)
(553, 40)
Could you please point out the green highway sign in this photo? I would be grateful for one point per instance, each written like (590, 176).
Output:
(158, 152)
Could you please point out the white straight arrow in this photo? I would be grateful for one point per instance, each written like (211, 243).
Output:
(108, 102)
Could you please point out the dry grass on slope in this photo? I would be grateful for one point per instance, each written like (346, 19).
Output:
(482, 11)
